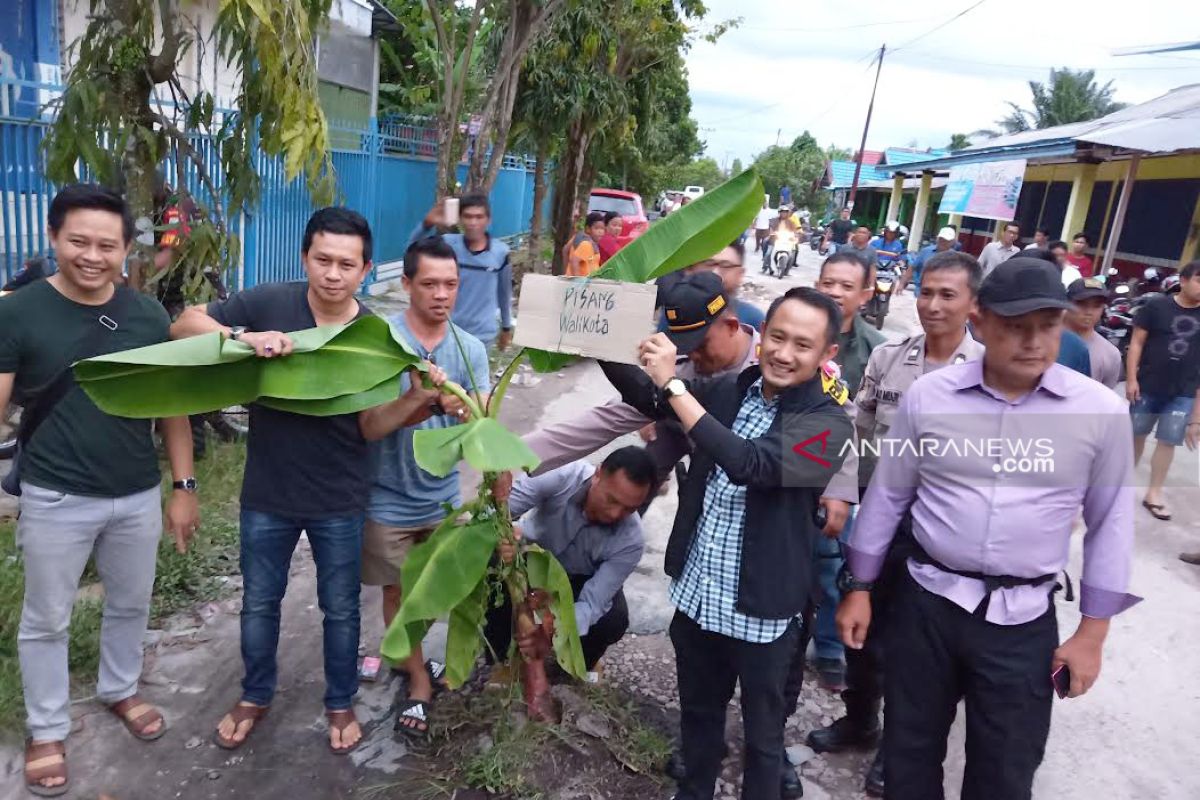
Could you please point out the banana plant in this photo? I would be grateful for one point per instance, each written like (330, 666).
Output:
(453, 574)
(347, 368)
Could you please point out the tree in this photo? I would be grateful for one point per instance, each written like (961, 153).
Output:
(799, 165)
(124, 113)
(959, 141)
(736, 167)
(599, 65)
(523, 22)
(1070, 96)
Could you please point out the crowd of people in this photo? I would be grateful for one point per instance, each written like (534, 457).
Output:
(922, 575)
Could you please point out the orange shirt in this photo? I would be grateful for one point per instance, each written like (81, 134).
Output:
(588, 254)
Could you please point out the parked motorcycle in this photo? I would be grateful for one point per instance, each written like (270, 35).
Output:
(877, 307)
(783, 256)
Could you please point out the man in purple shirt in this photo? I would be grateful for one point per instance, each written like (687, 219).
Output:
(993, 460)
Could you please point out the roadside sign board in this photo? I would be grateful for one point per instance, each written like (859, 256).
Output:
(989, 190)
(591, 318)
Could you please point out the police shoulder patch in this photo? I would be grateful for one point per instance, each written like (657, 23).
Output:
(836, 388)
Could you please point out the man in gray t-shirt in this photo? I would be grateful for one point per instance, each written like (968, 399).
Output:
(1090, 299)
(859, 247)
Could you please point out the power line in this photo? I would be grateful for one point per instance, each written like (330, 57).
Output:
(937, 28)
(837, 28)
(760, 110)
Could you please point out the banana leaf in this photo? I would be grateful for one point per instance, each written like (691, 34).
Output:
(332, 370)
(437, 576)
(546, 573)
(485, 444)
(695, 232)
(464, 639)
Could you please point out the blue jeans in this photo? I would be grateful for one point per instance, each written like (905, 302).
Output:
(826, 642)
(268, 541)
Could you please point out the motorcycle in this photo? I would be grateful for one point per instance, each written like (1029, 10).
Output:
(817, 237)
(876, 309)
(784, 254)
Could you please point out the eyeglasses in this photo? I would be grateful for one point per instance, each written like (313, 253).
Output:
(717, 263)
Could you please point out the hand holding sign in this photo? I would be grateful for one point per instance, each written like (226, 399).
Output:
(592, 318)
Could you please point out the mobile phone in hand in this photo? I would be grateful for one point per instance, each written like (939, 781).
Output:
(1061, 678)
(450, 210)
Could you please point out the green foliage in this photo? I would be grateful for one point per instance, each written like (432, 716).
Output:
(334, 369)
(1069, 96)
(438, 575)
(544, 572)
(693, 233)
(959, 141)
(463, 639)
(799, 165)
(701, 172)
(484, 443)
(125, 114)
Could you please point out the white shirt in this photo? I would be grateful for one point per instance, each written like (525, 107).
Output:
(1069, 275)
(763, 220)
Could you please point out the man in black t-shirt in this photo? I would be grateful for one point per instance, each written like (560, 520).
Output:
(1163, 387)
(304, 474)
(88, 481)
(838, 232)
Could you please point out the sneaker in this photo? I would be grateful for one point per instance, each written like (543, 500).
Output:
(843, 735)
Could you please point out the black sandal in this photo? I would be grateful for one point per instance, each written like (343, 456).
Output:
(437, 676)
(1157, 511)
(417, 711)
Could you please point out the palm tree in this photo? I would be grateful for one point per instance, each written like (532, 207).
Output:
(959, 141)
(1070, 96)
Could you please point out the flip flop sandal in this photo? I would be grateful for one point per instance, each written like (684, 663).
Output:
(417, 711)
(42, 761)
(340, 721)
(137, 715)
(1156, 511)
(238, 714)
(437, 676)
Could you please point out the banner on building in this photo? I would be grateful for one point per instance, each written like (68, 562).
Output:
(989, 190)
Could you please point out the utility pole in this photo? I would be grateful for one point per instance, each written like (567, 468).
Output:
(778, 133)
(866, 127)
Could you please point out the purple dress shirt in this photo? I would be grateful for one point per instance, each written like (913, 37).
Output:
(995, 485)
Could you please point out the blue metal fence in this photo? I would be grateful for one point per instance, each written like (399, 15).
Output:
(390, 179)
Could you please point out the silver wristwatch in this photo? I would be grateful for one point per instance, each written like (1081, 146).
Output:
(236, 332)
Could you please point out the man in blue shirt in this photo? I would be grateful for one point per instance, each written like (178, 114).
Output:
(485, 274)
(889, 249)
(406, 502)
(947, 239)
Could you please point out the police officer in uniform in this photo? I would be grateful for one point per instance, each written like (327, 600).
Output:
(949, 284)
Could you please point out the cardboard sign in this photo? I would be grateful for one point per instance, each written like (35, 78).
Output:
(591, 318)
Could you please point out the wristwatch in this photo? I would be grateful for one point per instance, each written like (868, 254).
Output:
(236, 332)
(846, 582)
(186, 485)
(674, 388)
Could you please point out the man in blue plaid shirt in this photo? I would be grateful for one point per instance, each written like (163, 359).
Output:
(767, 441)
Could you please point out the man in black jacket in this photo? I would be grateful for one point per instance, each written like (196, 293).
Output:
(767, 441)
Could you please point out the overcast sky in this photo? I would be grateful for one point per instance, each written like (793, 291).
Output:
(805, 64)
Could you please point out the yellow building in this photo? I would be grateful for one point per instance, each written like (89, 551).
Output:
(1130, 181)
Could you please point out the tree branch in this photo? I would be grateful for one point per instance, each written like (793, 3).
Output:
(162, 65)
(185, 146)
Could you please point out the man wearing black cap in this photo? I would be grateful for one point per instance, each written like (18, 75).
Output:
(1089, 298)
(973, 615)
(767, 441)
(713, 341)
